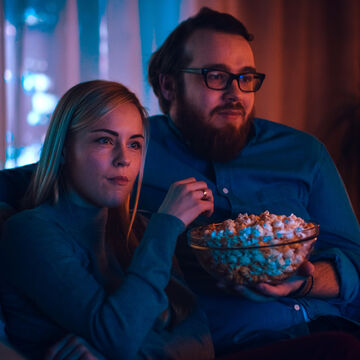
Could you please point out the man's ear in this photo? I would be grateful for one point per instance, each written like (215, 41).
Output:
(167, 86)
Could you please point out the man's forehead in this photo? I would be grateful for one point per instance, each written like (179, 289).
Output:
(209, 46)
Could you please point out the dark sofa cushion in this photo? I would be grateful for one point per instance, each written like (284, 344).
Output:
(13, 184)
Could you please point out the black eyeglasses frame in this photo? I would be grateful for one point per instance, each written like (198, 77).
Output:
(232, 77)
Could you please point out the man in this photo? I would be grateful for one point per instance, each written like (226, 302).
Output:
(205, 78)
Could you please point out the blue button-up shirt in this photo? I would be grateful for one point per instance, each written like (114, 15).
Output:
(282, 170)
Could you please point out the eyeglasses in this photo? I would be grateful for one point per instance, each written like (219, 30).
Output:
(221, 80)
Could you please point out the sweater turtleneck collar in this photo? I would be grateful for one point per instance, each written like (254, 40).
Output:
(84, 218)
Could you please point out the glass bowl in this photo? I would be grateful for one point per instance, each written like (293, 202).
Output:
(252, 264)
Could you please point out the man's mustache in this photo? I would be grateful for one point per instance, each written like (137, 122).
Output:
(236, 106)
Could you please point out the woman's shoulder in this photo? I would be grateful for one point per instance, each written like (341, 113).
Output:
(42, 213)
(32, 226)
(37, 233)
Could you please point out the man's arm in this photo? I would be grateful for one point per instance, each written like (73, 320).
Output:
(326, 282)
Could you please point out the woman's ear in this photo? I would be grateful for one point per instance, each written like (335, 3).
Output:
(167, 86)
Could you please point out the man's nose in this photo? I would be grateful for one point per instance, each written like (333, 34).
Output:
(233, 93)
(121, 157)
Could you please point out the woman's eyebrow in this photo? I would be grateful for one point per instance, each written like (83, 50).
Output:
(136, 136)
(111, 132)
(114, 133)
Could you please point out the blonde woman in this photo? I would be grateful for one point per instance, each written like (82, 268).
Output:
(77, 261)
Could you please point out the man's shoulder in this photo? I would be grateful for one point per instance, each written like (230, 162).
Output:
(157, 117)
(163, 131)
(267, 129)
(158, 123)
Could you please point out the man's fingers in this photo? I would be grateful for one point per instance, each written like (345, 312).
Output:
(306, 268)
(273, 290)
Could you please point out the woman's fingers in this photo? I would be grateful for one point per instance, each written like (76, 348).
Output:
(187, 199)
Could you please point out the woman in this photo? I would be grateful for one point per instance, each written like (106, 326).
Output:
(73, 263)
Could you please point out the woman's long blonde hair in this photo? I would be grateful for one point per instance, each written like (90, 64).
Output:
(81, 106)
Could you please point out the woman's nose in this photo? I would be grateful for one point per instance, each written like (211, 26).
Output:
(121, 158)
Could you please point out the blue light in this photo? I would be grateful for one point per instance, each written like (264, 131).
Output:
(29, 154)
(8, 75)
(31, 17)
(33, 118)
(43, 103)
(36, 82)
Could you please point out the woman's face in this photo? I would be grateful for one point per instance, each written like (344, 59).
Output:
(103, 161)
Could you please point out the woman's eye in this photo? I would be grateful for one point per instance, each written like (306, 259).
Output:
(136, 145)
(105, 140)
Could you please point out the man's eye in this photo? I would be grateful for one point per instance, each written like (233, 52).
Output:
(105, 140)
(247, 78)
(215, 75)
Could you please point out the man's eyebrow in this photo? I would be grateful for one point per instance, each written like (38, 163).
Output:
(246, 69)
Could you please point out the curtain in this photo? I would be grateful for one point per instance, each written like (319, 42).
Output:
(309, 50)
(2, 92)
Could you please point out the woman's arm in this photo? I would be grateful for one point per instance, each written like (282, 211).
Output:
(37, 259)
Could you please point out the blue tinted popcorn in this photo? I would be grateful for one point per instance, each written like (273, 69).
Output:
(254, 248)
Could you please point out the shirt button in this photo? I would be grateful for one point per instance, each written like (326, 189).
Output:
(225, 190)
(297, 307)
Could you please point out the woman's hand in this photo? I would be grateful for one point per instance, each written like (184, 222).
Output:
(70, 347)
(187, 199)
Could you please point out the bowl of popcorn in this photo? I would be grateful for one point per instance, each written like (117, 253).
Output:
(254, 248)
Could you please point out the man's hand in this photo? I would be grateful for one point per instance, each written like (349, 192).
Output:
(263, 292)
(325, 284)
(290, 285)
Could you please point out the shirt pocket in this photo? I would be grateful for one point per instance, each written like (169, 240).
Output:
(284, 199)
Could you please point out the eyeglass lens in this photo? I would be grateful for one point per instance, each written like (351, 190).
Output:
(220, 80)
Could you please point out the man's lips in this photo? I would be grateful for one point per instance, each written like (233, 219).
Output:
(230, 111)
(119, 180)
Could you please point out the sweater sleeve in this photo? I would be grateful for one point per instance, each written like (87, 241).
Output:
(339, 239)
(41, 264)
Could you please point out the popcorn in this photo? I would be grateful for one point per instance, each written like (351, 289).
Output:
(255, 248)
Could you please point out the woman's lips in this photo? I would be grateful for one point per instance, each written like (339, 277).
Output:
(119, 180)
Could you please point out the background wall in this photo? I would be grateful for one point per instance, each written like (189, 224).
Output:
(309, 50)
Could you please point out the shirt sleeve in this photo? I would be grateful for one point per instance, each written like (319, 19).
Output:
(39, 261)
(339, 239)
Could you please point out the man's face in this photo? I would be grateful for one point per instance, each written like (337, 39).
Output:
(216, 122)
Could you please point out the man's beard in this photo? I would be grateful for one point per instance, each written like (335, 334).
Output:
(210, 143)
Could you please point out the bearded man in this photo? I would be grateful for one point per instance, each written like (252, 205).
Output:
(205, 78)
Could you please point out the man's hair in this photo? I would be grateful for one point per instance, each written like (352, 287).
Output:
(171, 57)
